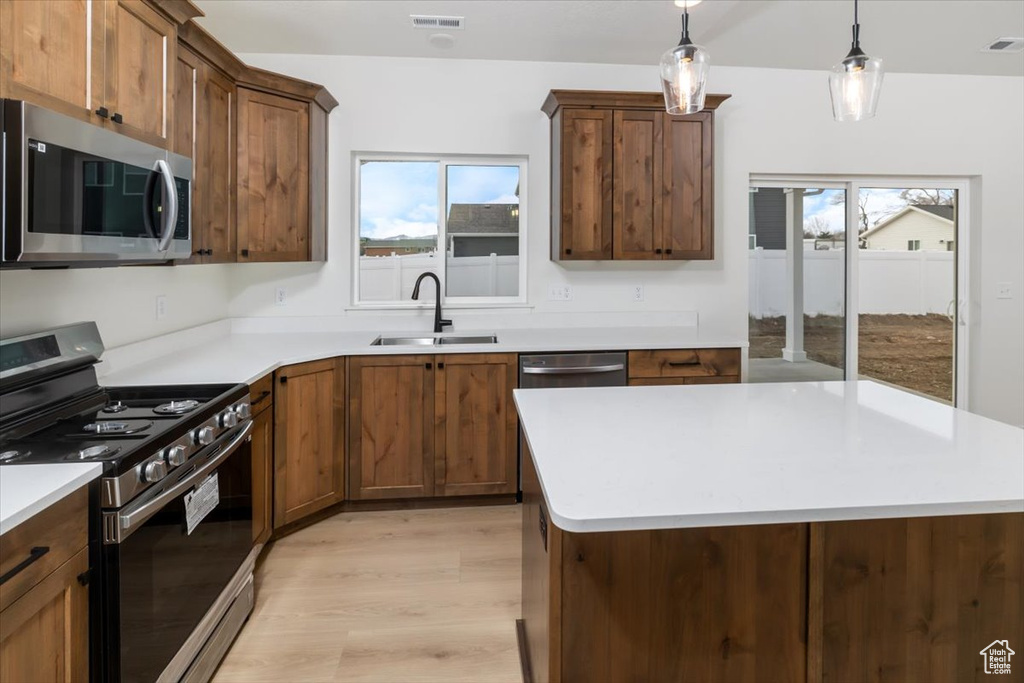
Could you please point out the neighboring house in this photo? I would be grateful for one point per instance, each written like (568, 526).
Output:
(401, 246)
(918, 227)
(483, 229)
(768, 218)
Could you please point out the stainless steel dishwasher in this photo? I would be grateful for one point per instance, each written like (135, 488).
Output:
(572, 370)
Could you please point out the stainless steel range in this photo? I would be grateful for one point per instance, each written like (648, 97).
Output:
(172, 527)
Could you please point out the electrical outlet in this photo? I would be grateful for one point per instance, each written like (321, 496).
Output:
(281, 296)
(161, 307)
(1005, 290)
(638, 293)
(560, 293)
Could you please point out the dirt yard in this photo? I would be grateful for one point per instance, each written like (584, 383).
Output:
(913, 351)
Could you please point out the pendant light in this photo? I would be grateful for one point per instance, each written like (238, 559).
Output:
(855, 82)
(684, 73)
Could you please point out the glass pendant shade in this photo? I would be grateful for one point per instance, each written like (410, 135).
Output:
(684, 77)
(854, 85)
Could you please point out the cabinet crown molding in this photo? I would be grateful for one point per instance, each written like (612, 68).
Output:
(604, 99)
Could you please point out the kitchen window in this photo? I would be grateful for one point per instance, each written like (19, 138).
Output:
(461, 218)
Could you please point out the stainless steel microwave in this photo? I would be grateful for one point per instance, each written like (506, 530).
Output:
(78, 195)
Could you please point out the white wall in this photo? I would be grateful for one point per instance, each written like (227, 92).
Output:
(122, 301)
(777, 122)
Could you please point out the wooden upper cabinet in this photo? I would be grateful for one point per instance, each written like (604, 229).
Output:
(630, 181)
(273, 178)
(637, 181)
(391, 427)
(109, 62)
(141, 64)
(586, 185)
(476, 425)
(51, 54)
(309, 439)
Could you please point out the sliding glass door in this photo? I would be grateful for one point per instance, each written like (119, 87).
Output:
(859, 278)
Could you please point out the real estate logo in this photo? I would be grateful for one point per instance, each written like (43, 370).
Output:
(997, 657)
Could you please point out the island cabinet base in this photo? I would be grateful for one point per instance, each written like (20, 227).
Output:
(839, 602)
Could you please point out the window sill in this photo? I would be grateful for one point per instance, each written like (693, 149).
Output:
(429, 306)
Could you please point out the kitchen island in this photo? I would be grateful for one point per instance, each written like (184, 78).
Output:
(834, 531)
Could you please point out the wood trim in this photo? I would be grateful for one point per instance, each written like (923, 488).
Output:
(212, 50)
(278, 84)
(181, 11)
(601, 99)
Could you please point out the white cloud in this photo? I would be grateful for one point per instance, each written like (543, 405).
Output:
(384, 228)
(504, 199)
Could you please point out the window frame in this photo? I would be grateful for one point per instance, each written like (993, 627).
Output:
(443, 161)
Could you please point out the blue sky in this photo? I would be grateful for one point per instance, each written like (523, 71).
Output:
(880, 204)
(401, 198)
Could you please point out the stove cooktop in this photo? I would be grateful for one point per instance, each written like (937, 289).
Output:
(123, 426)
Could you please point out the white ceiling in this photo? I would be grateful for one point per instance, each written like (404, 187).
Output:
(917, 36)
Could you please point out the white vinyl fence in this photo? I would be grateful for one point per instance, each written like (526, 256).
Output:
(391, 278)
(911, 282)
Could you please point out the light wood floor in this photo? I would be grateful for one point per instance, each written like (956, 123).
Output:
(418, 596)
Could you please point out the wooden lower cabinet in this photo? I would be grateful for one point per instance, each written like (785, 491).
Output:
(422, 426)
(863, 601)
(309, 438)
(44, 634)
(391, 427)
(476, 425)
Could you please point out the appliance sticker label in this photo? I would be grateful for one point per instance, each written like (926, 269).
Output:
(37, 146)
(201, 502)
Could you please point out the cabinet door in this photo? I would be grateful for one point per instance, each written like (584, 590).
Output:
(476, 425)
(309, 453)
(51, 54)
(215, 165)
(637, 184)
(273, 178)
(391, 427)
(44, 634)
(687, 227)
(586, 184)
(141, 64)
(186, 101)
(262, 475)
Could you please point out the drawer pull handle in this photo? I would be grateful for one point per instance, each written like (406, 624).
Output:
(682, 363)
(33, 555)
(262, 397)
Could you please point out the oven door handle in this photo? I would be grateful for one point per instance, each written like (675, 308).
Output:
(128, 522)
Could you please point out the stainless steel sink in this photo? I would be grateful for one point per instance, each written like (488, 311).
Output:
(482, 339)
(403, 341)
(434, 341)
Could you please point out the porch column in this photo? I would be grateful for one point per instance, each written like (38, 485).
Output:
(794, 349)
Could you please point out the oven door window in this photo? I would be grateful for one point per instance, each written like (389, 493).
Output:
(168, 578)
(77, 193)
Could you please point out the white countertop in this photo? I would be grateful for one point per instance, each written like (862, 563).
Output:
(26, 490)
(725, 455)
(247, 357)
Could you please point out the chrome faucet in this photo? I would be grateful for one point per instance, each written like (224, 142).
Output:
(439, 322)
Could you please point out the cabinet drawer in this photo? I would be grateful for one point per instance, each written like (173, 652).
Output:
(261, 393)
(42, 544)
(684, 363)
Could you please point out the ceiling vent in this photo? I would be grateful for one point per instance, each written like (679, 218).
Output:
(1005, 45)
(447, 23)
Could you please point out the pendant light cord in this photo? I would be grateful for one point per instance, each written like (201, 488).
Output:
(685, 40)
(856, 25)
